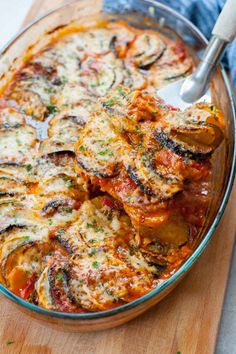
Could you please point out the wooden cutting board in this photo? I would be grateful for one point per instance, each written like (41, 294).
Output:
(186, 321)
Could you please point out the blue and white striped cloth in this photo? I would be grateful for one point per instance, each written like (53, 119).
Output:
(203, 13)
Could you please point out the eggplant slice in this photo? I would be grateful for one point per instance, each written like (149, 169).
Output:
(151, 178)
(122, 37)
(195, 142)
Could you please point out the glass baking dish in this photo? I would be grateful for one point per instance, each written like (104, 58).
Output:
(142, 14)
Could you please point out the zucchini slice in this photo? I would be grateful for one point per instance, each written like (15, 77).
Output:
(58, 210)
(100, 147)
(17, 240)
(18, 171)
(11, 186)
(55, 163)
(146, 49)
(10, 118)
(160, 75)
(99, 76)
(31, 102)
(16, 144)
(53, 288)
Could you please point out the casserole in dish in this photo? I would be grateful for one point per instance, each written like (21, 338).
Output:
(81, 155)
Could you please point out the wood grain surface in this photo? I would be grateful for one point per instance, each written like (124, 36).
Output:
(186, 321)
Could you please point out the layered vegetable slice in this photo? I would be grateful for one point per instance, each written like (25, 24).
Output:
(188, 136)
(64, 131)
(99, 75)
(146, 49)
(100, 147)
(53, 288)
(172, 65)
(61, 189)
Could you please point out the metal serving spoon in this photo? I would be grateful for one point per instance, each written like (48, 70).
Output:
(183, 92)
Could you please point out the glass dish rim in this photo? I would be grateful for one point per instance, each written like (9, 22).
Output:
(202, 245)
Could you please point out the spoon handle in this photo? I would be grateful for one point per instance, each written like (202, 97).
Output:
(225, 27)
(223, 32)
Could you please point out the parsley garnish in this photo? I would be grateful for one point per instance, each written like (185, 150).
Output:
(69, 184)
(51, 108)
(95, 265)
(59, 277)
(28, 167)
(50, 221)
(105, 152)
(109, 103)
(121, 91)
(26, 238)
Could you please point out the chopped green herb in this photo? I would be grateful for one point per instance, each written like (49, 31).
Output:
(105, 152)
(68, 210)
(26, 238)
(90, 225)
(82, 148)
(28, 167)
(69, 184)
(92, 240)
(51, 108)
(36, 259)
(109, 103)
(64, 80)
(99, 229)
(95, 265)
(49, 90)
(59, 277)
(50, 222)
(121, 91)
(60, 232)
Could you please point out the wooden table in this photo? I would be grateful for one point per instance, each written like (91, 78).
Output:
(186, 321)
